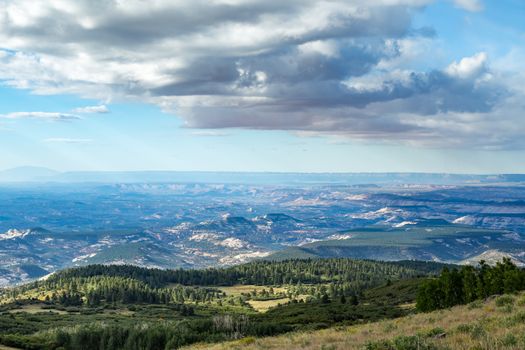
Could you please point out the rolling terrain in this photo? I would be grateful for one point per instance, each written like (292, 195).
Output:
(496, 324)
(360, 304)
(433, 241)
(126, 307)
(48, 227)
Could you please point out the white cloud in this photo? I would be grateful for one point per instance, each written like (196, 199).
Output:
(92, 109)
(55, 116)
(350, 68)
(470, 5)
(210, 133)
(468, 67)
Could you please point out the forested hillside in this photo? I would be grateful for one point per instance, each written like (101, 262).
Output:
(264, 272)
(99, 306)
(128, 307)
(96, 284)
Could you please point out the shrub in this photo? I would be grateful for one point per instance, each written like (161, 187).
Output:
(389, 327)
(475, 305)
(401, 343)
(477, 331)
(464, 328)
(246, 341)
(507, 309)
(433, 332)
(509, 340)
(379, 345)
(518, 318)
(504, 300)
(328, 347)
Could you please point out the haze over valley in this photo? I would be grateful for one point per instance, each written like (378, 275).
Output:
(198, 225)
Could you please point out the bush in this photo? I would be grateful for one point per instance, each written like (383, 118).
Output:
(246, 341)
(379, 345)
(518, 318)
(433, 332)
(477, 331)
(401, 343)
(504, 300)
(478, 304)
(464, 328)
(509, 340)
(389, 327)
(328, 347)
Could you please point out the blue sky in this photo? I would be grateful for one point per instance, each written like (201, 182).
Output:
(342, 86)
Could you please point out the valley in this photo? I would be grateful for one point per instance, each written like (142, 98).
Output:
(51, 226)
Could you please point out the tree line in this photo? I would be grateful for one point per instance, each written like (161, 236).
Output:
(455, 287)
(293, 271)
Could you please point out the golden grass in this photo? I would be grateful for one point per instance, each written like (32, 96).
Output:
(479, 326)
(36, 308)
(239, 289)
(257, 305)
(265, 305)
(30, 294)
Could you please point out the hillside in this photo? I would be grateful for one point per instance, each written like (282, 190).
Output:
(127, 307)
(180, 307)
(425, 240)
(497, 323)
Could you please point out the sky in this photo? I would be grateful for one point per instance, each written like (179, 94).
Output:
(263, 85)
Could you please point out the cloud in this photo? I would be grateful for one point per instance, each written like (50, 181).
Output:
(67, 140)
(52, 116)
(210, 133)
(349, 68)
(92, 109)
(469, 5)
(468, 66)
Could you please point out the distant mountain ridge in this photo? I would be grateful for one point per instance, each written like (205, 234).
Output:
(27, 174)
(41, 174)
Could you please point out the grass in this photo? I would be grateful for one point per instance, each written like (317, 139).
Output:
(240, 289)
(36, 308)
(257, 305)
(265, 305)
(496, 324)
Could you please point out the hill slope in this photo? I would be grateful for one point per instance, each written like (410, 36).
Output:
(417, 241)
(165, 309)
(498, 323)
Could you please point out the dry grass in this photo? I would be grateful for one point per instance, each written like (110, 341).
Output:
(36, 308)
(265, 305)
(30, 294)
(479, 326)
(239, 289)
(257, 305)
